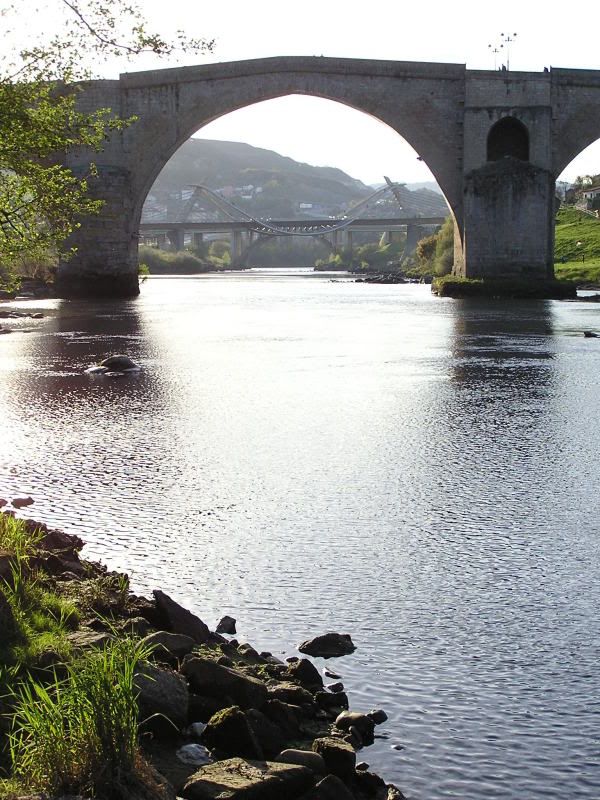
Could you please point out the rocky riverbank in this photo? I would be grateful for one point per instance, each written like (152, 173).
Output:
(218, 718)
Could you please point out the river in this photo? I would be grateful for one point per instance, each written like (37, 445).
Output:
(309, 455)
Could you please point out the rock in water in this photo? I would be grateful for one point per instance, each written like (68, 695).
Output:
(329, 645)
(119, 363)
(226, 625)
(21, 502)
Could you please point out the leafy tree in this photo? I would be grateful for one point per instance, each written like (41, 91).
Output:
(41, 201)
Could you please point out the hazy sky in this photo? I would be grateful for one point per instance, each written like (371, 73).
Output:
(324, 133)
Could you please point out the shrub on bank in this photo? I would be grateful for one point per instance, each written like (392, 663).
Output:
(162, 262)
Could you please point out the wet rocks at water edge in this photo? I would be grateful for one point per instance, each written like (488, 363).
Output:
(217, 717)
(328, 645)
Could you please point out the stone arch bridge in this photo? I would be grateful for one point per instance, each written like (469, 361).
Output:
(495, 142)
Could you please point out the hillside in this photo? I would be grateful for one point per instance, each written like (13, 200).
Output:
(577, 246)
(263, 183)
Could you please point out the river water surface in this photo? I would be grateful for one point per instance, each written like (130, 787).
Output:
(309, 455)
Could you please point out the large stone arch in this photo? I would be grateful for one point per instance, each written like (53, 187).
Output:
(576, 100)
(422, 103)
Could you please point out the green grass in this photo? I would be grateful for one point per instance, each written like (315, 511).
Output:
(42, 618)
(79, 734)
(71, 728)
(577, 246)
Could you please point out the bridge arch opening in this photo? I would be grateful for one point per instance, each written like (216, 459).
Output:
(508, 137)
(259, 177)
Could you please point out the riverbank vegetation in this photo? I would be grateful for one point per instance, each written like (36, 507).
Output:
(68, 719)
(435, 253)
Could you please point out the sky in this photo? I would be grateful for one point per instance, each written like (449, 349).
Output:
(324, 133)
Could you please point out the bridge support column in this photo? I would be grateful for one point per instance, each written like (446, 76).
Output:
(413, 235)
(236, 246)
(176, 237)
(335, 242)
(348, 244)
(198, 238)
(105, 263)
(508, 229)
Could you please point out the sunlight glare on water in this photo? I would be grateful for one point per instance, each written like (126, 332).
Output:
(308, 455)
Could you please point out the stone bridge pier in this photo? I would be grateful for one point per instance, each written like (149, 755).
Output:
(494, 141)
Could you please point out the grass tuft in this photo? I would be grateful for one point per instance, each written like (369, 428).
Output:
(78, 735)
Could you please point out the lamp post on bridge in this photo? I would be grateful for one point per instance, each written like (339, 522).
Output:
(506, 39)
(495, 51)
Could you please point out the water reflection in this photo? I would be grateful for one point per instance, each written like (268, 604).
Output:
(306, 455)
(492, 342)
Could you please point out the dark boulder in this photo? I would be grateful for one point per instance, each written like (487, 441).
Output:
(328, 645)
(229, 733)
(269, 735)
(163, 700)
(286, 716)
(168, 647)
(202, 708)
(304, 672)
(208, 678)
(328, 700)
(118, 362)
(304, 758)
(330, 788)
(339, 756)
(369, 782)
(21, 502)
(226, 625)
(179, 620)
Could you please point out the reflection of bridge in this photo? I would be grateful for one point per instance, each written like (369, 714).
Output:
(245, 231)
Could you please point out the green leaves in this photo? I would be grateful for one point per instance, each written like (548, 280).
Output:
(41, 201)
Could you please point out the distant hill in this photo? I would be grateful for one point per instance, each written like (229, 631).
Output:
(264, 184)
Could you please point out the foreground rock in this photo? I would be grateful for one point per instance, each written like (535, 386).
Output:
(242, 779)
(210, 679)
(178, 619)
(163, 700)
(329, 645)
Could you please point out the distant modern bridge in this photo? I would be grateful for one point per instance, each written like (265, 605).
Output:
(245, 231)
(494, 141)
(244, 235)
